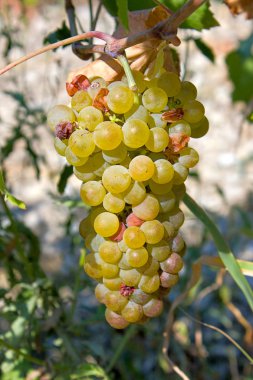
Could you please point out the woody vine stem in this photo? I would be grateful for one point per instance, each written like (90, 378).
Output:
(164, 30)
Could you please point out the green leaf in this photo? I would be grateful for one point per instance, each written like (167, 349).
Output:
(15, 201)
(59, 34)
(88, 372)
(8, 196)
(202, 18)
(2, 183)
(240, 69)
(224, 251)
(65, 174)
(204, 49)
(122, 13)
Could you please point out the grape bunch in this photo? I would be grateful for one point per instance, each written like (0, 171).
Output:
(130, 151)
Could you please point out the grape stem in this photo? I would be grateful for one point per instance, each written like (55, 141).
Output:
(125, 64)
(165, 30)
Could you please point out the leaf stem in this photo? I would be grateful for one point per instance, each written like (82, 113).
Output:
(127, 69)
(129, 333)
(224, 251)
(14, 229)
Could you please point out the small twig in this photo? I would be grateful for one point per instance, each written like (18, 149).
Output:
(215, 286)
(98, 48)
(97, 14)
(176, 369)
(166, 30)
(250, 359)
(129, 333)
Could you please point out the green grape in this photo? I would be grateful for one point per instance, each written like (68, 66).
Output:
(115, 320)
(188, 157)
(115, 156)
(89, 118)
(120, 99)
(178, 244)
(170, 83)
(114, 203)
(60, 146)
(116, 179)
(154, 99)
(148, 209)
(179, 191)
(92, 266)
(96, 84)
(115, 301)
(172, 264)
(100, 292)
(132, 312)
(74, 160)
(168, 280)
(200, 129)
(157, 121)
(180, 127)
(141, 168)
(135, 133)
(92, 193)
(188, 92)
(110, 252)
(107, 135)
(94, 241)
(135, 193)
(139, 113)
(158, 140)
(160, 251)
(149, 284)
(169, 230)
(176, 217)
(151, 82)
(166, 202)
(130, 277)
(180, 173)
(85, 172)
(150, 268)
(106, 224)
(123, 247)
(193, 111)
(59, 114)
(123, 263)
(85, 227)
(80, 100)
(109, 270)
(164, 172)
(153, 231)
(137, 257)
(134, 237)
(140, 297)
(98, 164)
(117, 84)
(156, 188)
(112, 283)
(153, 308)
(81, 143)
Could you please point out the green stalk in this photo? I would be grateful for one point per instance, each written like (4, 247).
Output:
(127, 69)
(14, 229)
(20, 353)
(129, 333)
(224, 251)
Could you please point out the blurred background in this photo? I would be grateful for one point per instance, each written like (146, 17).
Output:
(51, 326)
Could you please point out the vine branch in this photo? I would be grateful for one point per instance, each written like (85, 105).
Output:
(166, 30)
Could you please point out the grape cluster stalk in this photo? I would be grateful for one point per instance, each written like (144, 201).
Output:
(130, 149)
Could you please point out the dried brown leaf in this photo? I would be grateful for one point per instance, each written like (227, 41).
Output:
(241, 6)
(156, 15)
(100, 100)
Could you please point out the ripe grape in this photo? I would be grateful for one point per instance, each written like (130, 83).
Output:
(130, 150)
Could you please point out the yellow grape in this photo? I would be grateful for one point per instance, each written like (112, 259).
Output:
(141, 168)
(80, 100)
(110, 252)
(158, 140)
(92, 193)
(89, 118)
(134, 237)
(153, 231)
(107, 135)
(120, 99)
(81, 143)
(106, 224)
(59, 114)
(135, 133)
(154, 99)
(116, 179)
(114, 203)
